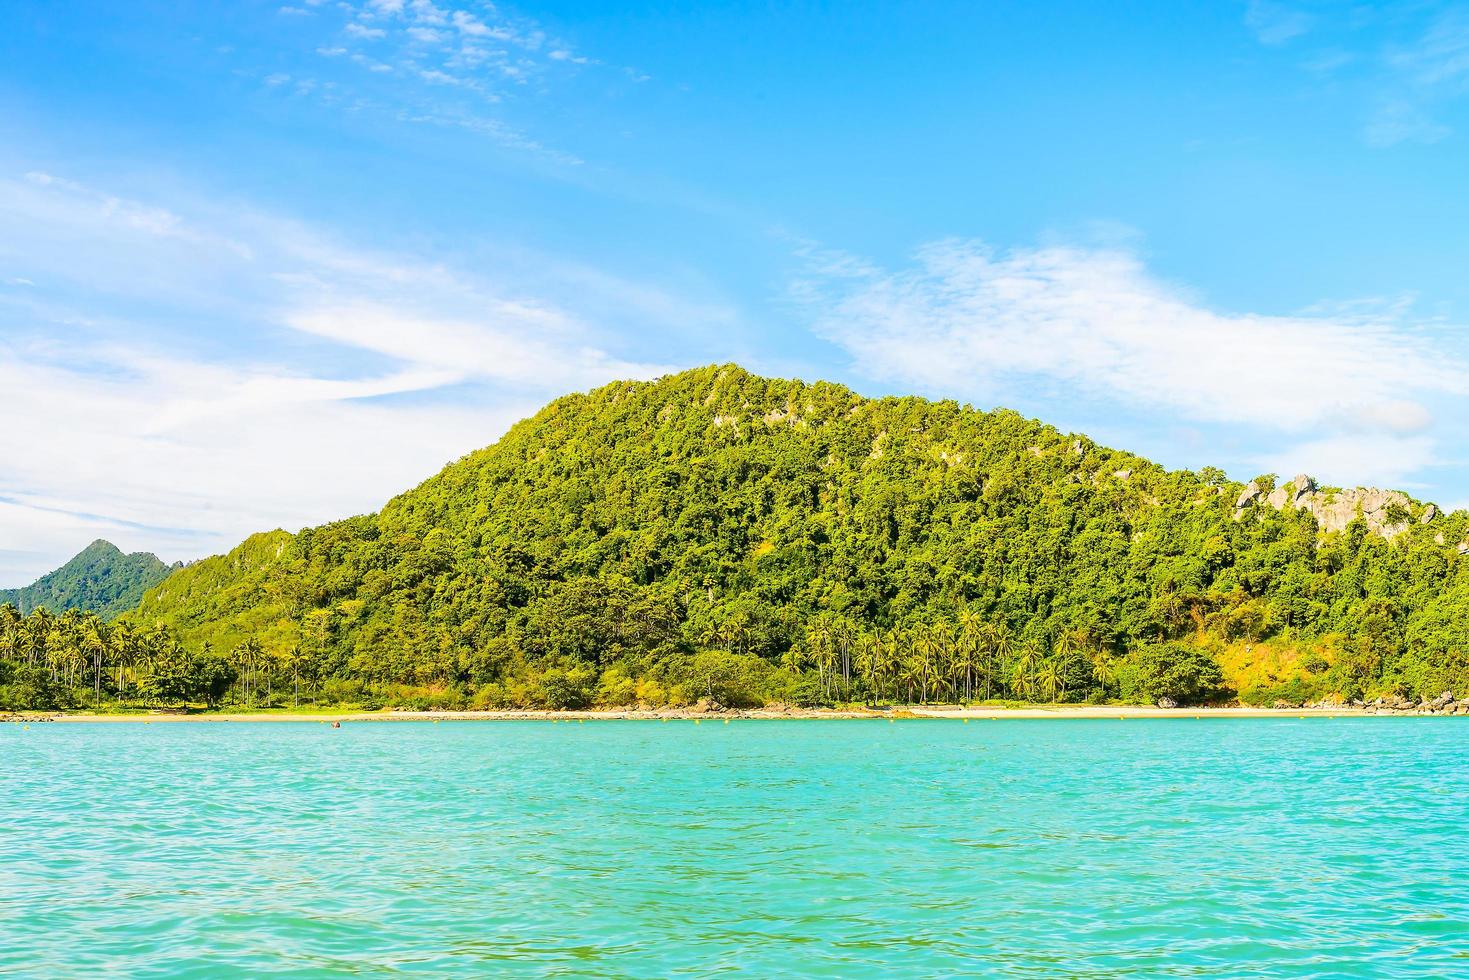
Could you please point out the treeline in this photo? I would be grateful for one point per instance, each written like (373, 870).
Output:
(78, 659)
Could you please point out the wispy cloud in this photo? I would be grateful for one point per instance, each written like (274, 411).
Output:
(352, 373)
(1275, 23)
(1396, 121)
(969, 321)
(445, 63)
(1409, 62)
(1424, 74)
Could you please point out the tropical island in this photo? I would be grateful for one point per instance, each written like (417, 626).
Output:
(715, 539)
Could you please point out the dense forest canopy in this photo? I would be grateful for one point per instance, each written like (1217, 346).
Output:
(100, 579)
(718, 534)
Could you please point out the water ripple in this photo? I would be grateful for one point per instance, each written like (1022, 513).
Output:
(1017, 848)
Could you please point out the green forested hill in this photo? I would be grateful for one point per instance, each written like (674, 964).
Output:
(719, 533)
(100, 579)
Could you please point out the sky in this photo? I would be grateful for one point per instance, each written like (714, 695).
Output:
(268, 264)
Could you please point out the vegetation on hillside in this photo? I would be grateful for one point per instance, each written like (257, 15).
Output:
(717, 534)
(100, 579)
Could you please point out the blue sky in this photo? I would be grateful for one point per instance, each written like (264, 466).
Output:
(266, 264)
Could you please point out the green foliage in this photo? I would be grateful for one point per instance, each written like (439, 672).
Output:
(100, 579)
(1183, 674)
(719, 535)
(178, 676)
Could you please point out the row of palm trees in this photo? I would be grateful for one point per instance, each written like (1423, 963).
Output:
(78, 649)
(971, 658)
(81, 651)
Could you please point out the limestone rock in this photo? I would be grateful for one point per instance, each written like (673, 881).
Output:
(1387, 513)
(1248, 495)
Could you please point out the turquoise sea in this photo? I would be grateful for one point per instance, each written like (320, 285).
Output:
(1221, 847)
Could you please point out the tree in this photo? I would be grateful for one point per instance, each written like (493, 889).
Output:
(1184, 674)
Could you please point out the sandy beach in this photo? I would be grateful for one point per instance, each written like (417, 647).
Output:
(910, 712)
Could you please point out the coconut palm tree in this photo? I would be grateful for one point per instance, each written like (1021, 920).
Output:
(999, 647)
(970, 647)
(1051, 680)
(98, 643)
(1024, 669)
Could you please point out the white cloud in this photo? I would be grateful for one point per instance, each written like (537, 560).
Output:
(185, 456)
(968, 321)
(361, 31)
(346, 375)
(1356, 459)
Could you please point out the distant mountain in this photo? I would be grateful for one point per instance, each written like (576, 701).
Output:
(101, 579)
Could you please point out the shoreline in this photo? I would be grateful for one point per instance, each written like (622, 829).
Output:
(907, 712)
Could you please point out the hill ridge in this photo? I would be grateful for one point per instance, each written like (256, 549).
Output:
(642, 522)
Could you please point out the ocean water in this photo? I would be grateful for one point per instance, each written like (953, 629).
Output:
(1221, 847)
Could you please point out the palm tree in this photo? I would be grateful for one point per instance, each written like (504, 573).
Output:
(998, 651)
(869, 661)
(927, 654)
(971, 640)
(822, 651)
(96, 641)
(1051, 681)
(945, 671)
(845, 633)
(1023, 671)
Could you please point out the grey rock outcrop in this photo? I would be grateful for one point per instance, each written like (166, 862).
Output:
(1248, 496)
(1385, 512)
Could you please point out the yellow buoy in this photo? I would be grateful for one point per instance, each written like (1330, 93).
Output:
(726, 721)
(696, 721)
